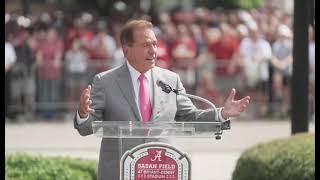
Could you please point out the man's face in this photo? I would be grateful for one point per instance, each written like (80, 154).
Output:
(142, 53)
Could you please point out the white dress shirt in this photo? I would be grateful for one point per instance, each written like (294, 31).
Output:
(136, 84)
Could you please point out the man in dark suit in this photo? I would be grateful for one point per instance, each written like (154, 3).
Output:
(130, 93)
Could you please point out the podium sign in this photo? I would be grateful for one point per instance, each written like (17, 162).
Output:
(151, 161)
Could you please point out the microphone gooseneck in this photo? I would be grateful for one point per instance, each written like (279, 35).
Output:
(167, 89)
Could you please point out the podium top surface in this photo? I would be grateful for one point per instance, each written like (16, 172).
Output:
(160, 129)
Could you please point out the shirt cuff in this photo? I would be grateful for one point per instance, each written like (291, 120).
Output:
(221, 118)
(81, 120)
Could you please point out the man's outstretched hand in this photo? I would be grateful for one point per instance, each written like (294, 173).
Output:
(233, 108)
(85, 102)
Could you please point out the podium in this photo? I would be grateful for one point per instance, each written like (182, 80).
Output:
(147, 151)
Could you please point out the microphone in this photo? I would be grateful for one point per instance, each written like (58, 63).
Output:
(167, 89)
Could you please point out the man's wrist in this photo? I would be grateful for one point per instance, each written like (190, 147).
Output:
(223, 114)
(83, 115)
(81, 120)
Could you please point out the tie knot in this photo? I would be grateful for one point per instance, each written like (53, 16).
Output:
(142, 77)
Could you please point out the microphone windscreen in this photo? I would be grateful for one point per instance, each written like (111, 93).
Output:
(166, 88)
(160, 83)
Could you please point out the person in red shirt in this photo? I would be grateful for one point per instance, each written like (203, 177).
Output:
(49, 72)
(163, 55)
(227, 67)
(184, 51)
(225, 51)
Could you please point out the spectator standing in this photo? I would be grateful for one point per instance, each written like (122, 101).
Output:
(256, 54)
(75, 72)
(10, 54)
(22, 84)
(184, 51)
(205, 80)
(282, 64)
(163, 55)
(49, 73)
(270, 33)
(227, 67)
(117, 57)
(101, 49)
(10, 58)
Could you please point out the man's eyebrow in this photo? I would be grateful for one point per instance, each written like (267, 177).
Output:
(150, 41)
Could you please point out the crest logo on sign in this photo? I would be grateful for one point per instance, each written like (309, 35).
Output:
(152, 161)
(157, 156)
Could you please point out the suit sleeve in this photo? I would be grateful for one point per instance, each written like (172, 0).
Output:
(186, 111)
(98, 104)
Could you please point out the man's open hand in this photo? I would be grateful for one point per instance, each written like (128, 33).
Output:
(233, 108)
(85, 102)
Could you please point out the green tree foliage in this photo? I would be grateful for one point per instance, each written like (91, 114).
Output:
(230, 4)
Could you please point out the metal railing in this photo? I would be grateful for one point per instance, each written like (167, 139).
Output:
(25, 88)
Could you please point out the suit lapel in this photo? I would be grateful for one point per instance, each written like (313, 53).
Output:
(125, 83)
(158, 99)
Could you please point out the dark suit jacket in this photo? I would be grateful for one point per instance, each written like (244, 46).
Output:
(113, 99)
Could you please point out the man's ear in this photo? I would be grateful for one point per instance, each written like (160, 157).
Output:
(125, 49)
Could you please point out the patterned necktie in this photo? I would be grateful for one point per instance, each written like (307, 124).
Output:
(144, 99)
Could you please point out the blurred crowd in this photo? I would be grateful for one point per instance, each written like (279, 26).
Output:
(50, 58)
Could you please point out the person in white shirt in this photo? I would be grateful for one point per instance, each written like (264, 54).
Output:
(256, 53)
(10, 58)
(282, 64)
(76, 64)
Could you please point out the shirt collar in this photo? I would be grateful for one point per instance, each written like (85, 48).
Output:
(135, 74)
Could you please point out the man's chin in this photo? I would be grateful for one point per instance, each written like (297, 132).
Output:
(151, 65)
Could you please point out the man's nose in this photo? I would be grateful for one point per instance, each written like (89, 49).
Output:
(153, 49)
